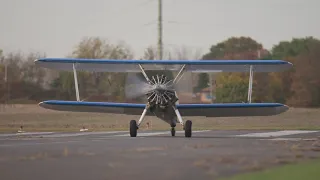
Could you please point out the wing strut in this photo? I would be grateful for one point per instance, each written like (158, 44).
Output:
(147, 105)
(145, 75)
(180, 72)
(76, 82)
(250, 84)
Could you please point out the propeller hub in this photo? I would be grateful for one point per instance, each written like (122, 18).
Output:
(162, 92)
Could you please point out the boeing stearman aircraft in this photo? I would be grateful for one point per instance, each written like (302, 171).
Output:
(160, 92)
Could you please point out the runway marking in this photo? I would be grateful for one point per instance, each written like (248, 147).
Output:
(142, 134)
(57, 134)
(84, 134)
(292, 139)
(156, 133)
(26, 133)
(275, 133)
(36, 143)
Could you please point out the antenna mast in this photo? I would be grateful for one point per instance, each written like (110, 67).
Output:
(160, 48)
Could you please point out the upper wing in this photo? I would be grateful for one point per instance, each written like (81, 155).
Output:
(103, 107)
(232, 109)
(105, 65)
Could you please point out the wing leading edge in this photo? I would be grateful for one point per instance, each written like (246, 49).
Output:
(197, 66)
(208, 110)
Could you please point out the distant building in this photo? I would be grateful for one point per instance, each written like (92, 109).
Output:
(205, 96)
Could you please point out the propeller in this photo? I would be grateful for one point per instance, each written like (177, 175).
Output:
(137, 86)
(159, 91)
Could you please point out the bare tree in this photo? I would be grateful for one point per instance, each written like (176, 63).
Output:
(101, 83)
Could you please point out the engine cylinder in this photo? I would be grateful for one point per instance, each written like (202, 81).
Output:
(162, 93)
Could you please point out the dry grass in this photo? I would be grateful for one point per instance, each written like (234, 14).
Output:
(35, 118)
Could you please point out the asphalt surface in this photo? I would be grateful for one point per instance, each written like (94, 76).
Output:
(151, 155)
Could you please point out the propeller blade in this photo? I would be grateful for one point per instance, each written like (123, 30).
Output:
(136, 86)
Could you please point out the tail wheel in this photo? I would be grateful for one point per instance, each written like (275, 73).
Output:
(133, 128)
(188, 128)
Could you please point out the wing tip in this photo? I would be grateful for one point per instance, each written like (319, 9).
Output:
(42, 104)
(283, 108)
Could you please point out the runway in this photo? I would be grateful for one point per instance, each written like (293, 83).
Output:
(151, 155)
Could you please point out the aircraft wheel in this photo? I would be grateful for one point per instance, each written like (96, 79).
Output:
(188, 128)
(173, 131)
(133, 128)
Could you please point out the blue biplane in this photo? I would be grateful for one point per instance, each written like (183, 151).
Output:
(162, 99)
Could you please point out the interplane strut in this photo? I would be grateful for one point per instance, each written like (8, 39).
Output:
(76, 82)
(250, 84)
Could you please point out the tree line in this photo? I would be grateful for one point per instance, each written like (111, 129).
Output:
(22, 82)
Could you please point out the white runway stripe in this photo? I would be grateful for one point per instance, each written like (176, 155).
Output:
(84, 134)
(55, 134)
(142, 134)
(275, 134)
(291, 139)
(156, 133)
(26, 133)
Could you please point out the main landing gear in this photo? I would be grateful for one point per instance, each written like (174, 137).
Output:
(133, 128)
(173, 131)
(187, 129)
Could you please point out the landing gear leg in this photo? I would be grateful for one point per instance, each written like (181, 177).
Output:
(178, 116)
(173, 131)
(187, 127)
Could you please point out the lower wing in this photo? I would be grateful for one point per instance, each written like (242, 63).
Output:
(208, 110)
(232, 109)
(101, 107)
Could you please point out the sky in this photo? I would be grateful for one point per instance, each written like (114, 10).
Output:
(55, 27)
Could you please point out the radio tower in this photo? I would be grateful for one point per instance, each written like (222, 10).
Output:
(160, 46)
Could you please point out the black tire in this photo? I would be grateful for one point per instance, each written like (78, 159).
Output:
(173, 131)
(188, 129)
(133, 128)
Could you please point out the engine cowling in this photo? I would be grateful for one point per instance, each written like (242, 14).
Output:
(162, 93)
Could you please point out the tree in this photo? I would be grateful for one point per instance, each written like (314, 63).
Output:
(305, 87)
(24, 80)
(233, 87)
(234, 48)
(293, 48)
(31, 73)
(295, 52)
(2, 67)
(106, 85)
(202, 82)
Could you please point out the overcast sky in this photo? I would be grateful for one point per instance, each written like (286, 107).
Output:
(56, 26)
